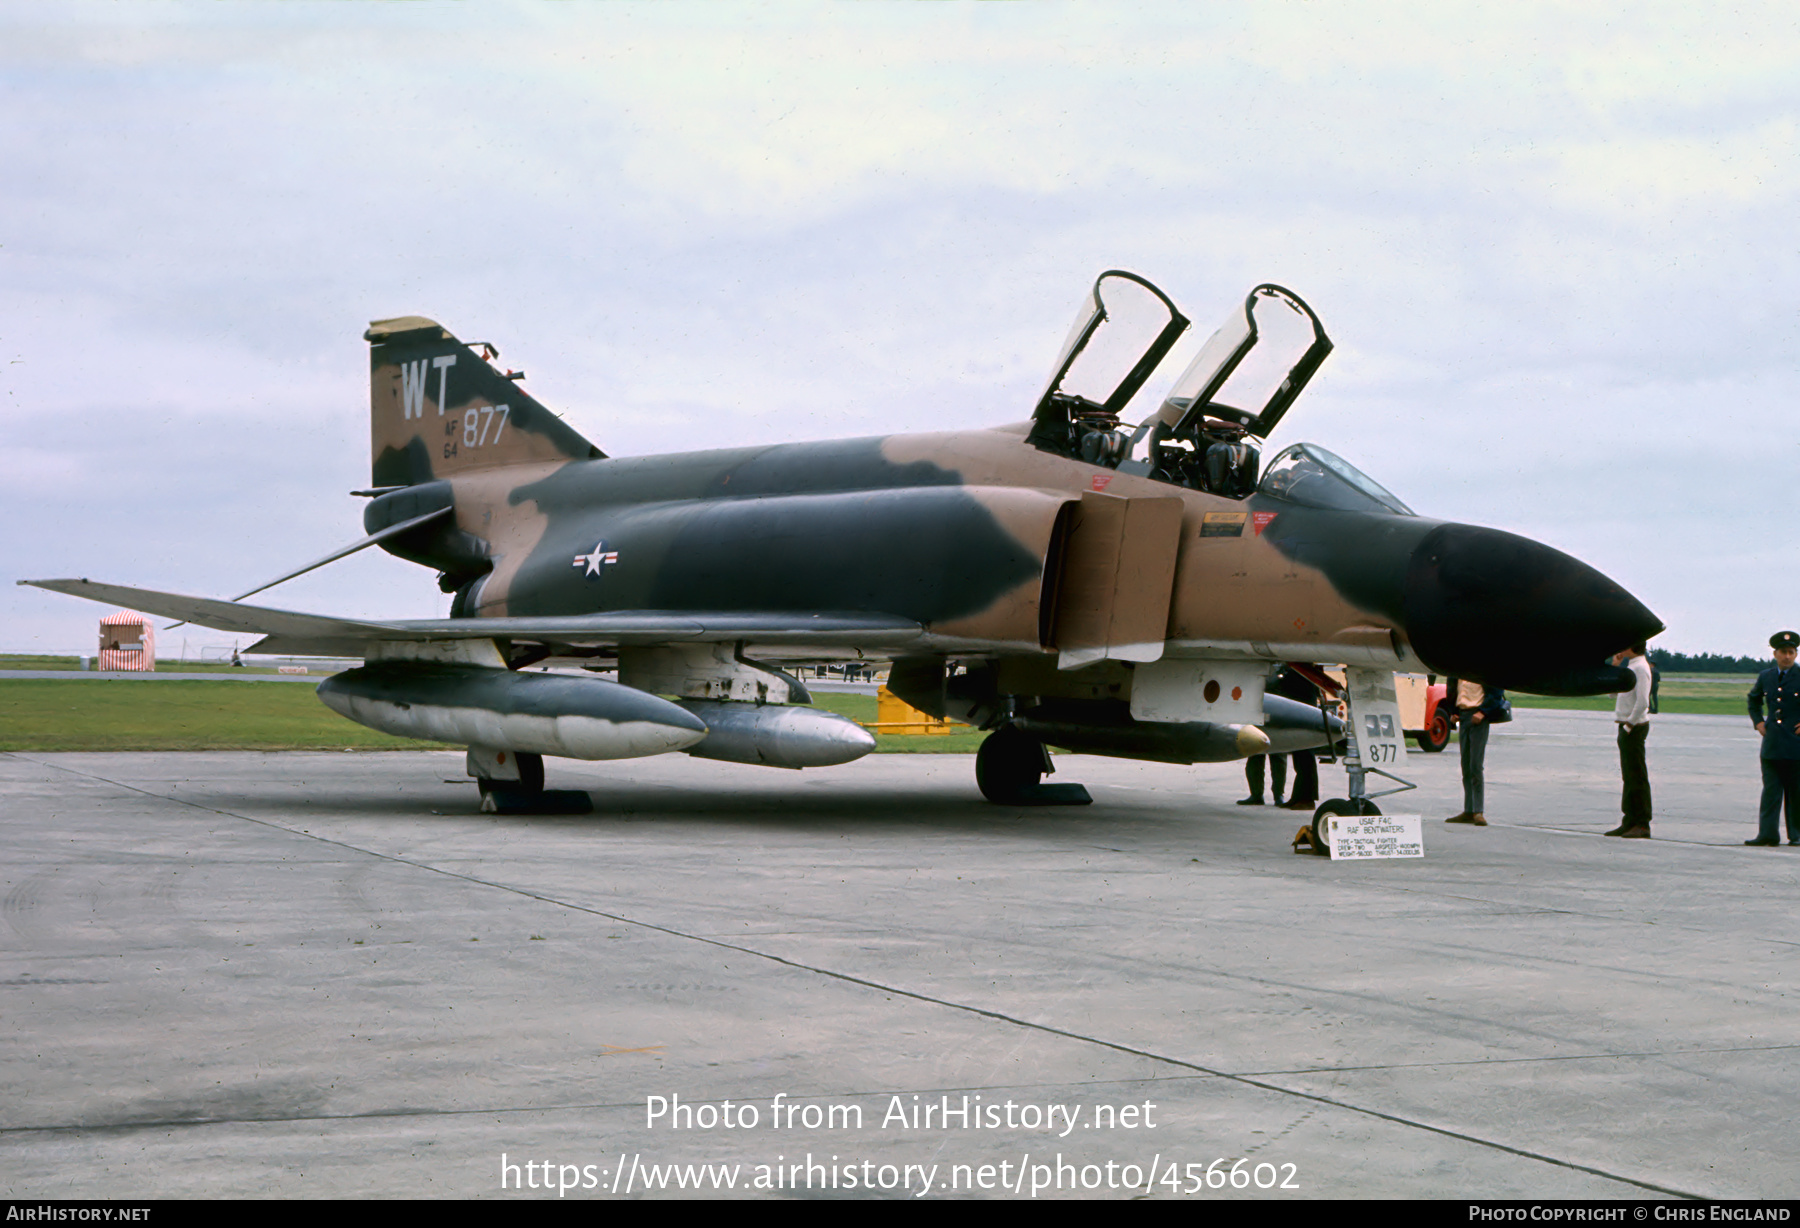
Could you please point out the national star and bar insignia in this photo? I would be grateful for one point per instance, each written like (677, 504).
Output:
(596, 559)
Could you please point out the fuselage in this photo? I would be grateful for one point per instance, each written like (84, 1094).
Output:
(964, 532)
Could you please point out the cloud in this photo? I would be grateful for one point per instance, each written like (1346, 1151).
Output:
(1541, 236)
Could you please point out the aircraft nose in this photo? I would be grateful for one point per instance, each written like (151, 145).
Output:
(1511, 612)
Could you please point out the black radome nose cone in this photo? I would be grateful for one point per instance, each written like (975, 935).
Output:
(1502, 609)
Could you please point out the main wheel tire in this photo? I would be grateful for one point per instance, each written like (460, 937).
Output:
(531, 772)
(1009, 762)
(531, 776)
(1436, 735)
(1343, 807)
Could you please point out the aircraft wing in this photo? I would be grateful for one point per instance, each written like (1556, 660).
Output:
(219, 615)
(288, 631)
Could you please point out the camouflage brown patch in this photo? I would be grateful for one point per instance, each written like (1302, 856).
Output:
(511, 530)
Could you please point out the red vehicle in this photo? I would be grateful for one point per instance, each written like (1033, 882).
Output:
(1425, 710)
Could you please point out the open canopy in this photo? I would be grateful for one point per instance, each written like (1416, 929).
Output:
(1250, 371)
(1123, 329)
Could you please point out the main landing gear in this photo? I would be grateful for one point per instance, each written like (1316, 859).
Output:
(512, 782)
(529, 778)
(1010, 767)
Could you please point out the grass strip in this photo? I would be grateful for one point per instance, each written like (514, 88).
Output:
(109, 714)
(105, 714)
(1675, 695)
(43, 715)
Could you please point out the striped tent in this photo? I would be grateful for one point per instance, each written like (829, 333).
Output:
(127, 641)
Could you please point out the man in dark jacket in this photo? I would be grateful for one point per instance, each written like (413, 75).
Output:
(1478, 709)
(1779, 690)
(1257, 766)
(1292, 684)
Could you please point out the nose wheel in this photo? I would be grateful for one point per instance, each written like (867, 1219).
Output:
(1342, 807)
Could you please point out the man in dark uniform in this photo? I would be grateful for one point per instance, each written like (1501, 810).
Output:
(1779, 689)
(1292, 684)
(1632, 713)
(1256, 766)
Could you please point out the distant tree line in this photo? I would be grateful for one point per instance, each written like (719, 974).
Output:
(1706, 663)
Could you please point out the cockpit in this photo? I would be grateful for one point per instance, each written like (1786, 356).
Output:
(1309, 475)
(1207, 434)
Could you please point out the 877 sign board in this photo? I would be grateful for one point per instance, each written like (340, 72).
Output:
(1379, 738)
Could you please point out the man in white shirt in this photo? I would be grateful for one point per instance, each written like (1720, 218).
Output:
(1632, 712)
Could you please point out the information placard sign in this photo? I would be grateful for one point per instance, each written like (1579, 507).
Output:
(1360, 837)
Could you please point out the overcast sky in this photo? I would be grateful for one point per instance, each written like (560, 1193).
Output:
(1555, 245)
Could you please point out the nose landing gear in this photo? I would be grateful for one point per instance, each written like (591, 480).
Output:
(1373, 736)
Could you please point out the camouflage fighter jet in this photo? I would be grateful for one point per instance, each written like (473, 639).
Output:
(1065, 581)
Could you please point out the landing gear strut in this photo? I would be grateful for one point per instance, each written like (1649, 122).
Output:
(1373, 736)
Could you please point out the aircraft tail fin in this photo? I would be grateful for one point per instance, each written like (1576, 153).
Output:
(438, 407)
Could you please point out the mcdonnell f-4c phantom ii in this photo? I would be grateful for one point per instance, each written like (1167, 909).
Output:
(1069, 581)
